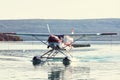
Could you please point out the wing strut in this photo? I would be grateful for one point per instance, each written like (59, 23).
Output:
(40, 40)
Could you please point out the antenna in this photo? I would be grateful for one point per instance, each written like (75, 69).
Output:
(48, 28)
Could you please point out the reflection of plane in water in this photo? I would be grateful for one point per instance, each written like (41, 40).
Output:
(57, 43)
(69, 73)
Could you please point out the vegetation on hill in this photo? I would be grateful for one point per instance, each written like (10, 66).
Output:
(5, 37)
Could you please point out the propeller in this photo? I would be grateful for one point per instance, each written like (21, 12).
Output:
(48, 29)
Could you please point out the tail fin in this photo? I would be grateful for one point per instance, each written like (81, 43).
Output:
(72, 31)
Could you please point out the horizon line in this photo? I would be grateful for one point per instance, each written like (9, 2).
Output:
(56, 19)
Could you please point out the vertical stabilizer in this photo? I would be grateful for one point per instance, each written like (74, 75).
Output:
(72, 31)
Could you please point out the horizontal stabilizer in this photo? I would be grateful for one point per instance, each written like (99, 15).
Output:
(108, 34)
(80, 45)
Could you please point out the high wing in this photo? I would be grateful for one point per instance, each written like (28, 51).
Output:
(90, 34)
(76, 36)
(28, 34)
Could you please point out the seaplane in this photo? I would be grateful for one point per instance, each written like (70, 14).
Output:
(57, 44)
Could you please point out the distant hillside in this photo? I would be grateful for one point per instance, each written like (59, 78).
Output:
(63, 26)
(6, 37)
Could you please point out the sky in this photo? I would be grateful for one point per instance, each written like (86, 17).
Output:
(59, 9)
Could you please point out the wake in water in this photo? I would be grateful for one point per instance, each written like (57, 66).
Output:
(97, 62)
(95, 53)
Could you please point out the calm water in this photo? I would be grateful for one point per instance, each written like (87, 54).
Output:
(98, 62)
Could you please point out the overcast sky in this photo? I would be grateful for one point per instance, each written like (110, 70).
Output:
(59, 9)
